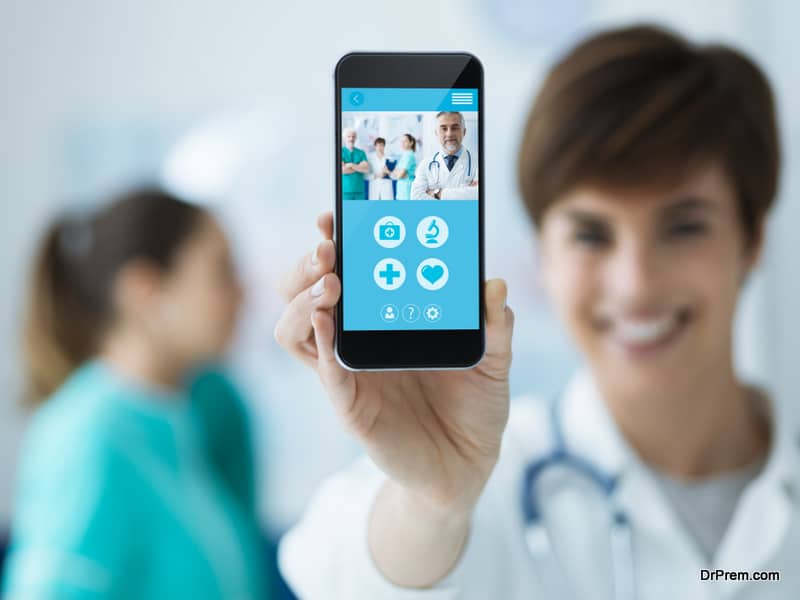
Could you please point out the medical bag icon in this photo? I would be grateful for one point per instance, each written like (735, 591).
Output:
(389, 231)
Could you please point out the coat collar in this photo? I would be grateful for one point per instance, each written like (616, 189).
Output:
(590, 430)
(763, 514)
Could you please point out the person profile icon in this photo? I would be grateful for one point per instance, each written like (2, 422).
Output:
(389, 313)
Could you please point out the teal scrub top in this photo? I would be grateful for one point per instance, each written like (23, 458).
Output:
(408, 162)
(353, 183)
(130, 492)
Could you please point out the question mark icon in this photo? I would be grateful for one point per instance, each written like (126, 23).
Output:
(410, 313)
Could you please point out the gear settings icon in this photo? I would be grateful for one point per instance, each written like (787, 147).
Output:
(432, 313)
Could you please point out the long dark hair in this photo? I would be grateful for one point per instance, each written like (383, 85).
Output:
(70, 298)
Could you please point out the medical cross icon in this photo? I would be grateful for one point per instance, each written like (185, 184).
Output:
(389, 274)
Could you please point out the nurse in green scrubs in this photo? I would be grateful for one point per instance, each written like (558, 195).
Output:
(136, 475)
(354, 167)
(406, 167)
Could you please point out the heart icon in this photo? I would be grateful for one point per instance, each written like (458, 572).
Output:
(432, 273)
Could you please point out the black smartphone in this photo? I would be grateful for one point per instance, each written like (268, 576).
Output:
(409, 210)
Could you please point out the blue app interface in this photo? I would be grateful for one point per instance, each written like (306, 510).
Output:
(409, 169)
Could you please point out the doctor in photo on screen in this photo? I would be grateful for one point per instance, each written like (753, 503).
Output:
(648, 165)
(451, 173)
(354, 166)
(380, 184)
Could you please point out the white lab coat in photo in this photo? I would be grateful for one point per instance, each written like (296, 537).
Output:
(379, 188)
(432, 174)
(326, 555)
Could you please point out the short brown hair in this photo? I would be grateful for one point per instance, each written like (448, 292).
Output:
(643, 106)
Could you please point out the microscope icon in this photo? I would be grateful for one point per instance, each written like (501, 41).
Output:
(432, 232)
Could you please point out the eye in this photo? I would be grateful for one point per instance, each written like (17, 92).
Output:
(687, 229)
(593, 237)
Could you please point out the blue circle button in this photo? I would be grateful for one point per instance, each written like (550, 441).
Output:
(356, 98)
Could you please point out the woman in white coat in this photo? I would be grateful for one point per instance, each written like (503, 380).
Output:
(648, 165)
(380, 183)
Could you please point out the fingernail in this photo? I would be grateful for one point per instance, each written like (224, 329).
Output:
(315, 256)
(318, 288)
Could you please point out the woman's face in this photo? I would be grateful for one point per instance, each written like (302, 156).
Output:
(203, 295)
(405, 143)
(647, 281)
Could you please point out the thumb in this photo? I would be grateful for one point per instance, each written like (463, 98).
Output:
(499, 323)
(495, 293)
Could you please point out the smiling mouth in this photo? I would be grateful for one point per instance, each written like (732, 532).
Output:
(646, 337)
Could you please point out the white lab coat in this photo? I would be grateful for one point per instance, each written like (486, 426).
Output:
(455, 184)
(379, 188)
(326, 555)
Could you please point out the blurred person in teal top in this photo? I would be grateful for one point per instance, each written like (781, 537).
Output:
(406, 167)
(136, 477)
(354, 166)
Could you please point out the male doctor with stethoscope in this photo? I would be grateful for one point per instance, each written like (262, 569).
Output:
(450, 173)
(648, 165)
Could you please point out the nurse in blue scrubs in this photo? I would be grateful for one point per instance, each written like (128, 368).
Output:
(406, 167)
(354, 167)
(136, 476)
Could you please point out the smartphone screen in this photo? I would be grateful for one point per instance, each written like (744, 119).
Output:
(409, 214)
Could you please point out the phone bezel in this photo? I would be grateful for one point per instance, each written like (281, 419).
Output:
(409, 349)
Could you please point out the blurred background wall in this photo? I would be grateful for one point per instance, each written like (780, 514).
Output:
(231, 103)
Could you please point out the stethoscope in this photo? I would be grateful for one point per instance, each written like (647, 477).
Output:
(435, 163)
(536, 535)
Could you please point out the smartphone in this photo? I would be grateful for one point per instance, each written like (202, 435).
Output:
(409, 210)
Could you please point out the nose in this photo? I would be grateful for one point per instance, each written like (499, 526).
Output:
(633, 275)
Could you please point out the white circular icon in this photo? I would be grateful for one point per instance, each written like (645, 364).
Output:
(411, 313)
(432, 313)
(389, 274)
(389, 313)
(432, 232)
(432, 274)
(389, 232)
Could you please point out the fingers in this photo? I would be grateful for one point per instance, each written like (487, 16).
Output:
(339, 382)
(293, 330)
(325, 225)
(313, 265)
(309, 270)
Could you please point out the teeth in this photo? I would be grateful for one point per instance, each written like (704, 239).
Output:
(642, 332)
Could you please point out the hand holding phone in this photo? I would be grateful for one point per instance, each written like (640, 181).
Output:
(436, 433)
